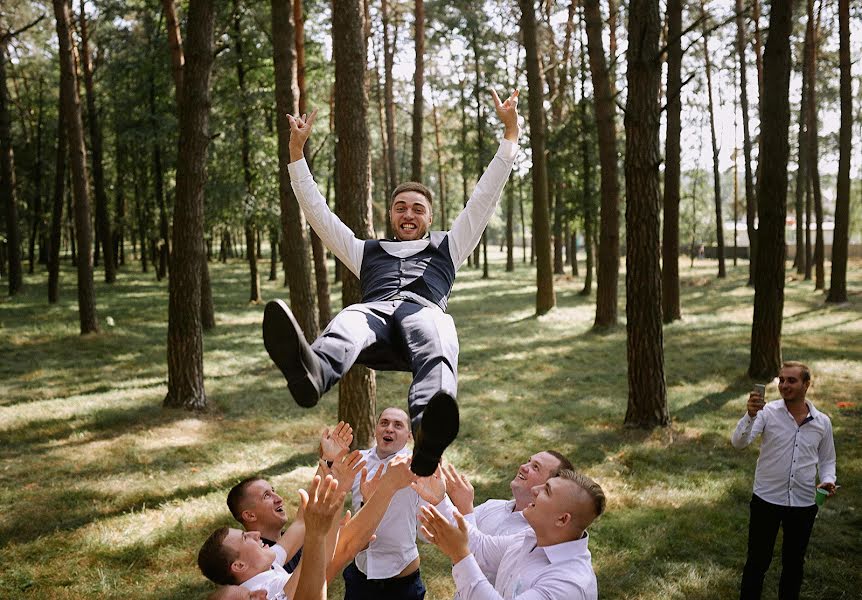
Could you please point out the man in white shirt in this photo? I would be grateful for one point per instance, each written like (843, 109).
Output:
(389, 567)
(548, 560)
(796, 444)
(401, 323)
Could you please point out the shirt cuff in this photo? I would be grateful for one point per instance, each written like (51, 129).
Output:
(298, 169)
(507, 150)
(466, 573)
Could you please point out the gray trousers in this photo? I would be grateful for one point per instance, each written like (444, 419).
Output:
(393, 335)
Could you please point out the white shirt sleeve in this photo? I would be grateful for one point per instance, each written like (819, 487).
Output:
(472, 584)
(747, 430)
(467, 228)
(332, 231)
(489, 549)
(826, 455)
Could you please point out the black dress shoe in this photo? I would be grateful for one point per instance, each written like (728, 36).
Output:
(288, 349)
(438, 429)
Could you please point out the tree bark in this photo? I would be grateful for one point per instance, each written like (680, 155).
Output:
(441, 180)
(159, 184)
(103, 221)
(647, 402)
(716, 175)
(388, 102)
(7, 182)
(185, 331)
(772, 197)
(77, 153)
(357, 391)
(57, 205)
(510, 228)
(607, 271)
(545, 298)
(750, 199)
(813, 150)
(418, 83)
(838, 284)
(670, 232)
(37, 216)
(297, 258)
(799, 260)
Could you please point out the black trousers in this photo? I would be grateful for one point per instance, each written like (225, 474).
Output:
(358, 587)
(766, 518)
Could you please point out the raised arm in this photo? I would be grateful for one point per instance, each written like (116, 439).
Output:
(468, 226)
(751, 425)
(334, 234)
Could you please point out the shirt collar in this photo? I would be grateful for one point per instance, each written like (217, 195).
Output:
(564, 551)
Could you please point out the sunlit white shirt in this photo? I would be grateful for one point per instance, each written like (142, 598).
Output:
(525, 570)
(273, 580)
(499, 517)
(790, 454)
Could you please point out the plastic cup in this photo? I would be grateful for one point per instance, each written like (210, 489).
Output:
(820, 496)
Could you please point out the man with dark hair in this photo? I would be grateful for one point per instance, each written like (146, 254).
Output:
(401, 323)
(550, 559)
(796, 447)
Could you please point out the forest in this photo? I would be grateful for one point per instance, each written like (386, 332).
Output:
(683, 215)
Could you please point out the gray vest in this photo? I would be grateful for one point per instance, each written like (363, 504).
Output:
(426, 277)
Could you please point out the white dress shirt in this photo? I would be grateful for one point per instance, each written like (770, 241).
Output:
(526, 571)
(463, 236)
(273, 580)
(395, 546)
(790, 454)
(499, 517)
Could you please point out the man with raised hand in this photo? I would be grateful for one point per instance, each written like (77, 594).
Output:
(796, 447)
(401, 323)
(548, 560)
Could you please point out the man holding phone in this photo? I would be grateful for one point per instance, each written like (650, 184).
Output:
(797, 446)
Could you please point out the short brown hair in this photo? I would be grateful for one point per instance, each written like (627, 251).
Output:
(237, 494)
(215, 559)
(795, 364)
(565, 463)
(592, 488)
(412, 186)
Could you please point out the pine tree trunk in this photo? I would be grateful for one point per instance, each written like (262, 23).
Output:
(813, 149)
(750, 199)
(558, 228)
(57, 206)
(185, 330)
(103, 221)
(802, 168)
(77, 153)
(670, 224)
(716, 175)
(37, 215)
(545, 298)
(418, 82)
(647, 402)
(297, 257)
(7, 182)
(388, 104)
(441, 180)
(357, 391)
(838, 284)
(607, 272)
(772, 198)
(510, 229)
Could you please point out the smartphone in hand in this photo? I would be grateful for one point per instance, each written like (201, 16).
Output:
(760, 389)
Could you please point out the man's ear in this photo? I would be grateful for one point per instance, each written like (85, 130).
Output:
(248, 516)
(238, 566)
(564, 519)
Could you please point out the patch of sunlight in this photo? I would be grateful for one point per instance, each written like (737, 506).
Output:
(143, 382)
(173, 435)
(248, 317)
(687, 580)
(72, 406)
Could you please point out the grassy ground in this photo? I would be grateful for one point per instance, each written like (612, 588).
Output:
(105, 494)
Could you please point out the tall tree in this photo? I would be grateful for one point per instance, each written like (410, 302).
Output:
(545, 298)
(185, 334)
(388, 101)
(418, 83)
(357, 391)
(7, 178)
(716, 174)
(77, 152)
(801, 259)
(813, 30)
(296, 255)
(57, 205)
(772, 197)
(647, 402)
(750, 200)
(250, 226)
(103, 219)
(838, 284)
(670, 224)
(607, 269)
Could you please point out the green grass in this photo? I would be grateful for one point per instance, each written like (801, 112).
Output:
(105, 494)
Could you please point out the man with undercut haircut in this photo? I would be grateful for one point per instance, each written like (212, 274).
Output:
(548, 560)
(401, 323)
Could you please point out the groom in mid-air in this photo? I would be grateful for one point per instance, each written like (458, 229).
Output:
(401, 323)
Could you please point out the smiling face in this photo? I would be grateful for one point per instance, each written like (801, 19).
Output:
(262, 508)
(392, 432)
(791, 384)
(410, 215)
(535, 471)
(252, 556)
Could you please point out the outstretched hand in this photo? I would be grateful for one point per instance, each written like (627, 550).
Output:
(321, 503)
(460, 489)
(508, 113)
(300, 130)
(452, 540)
(336, 443)
(431, 489)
